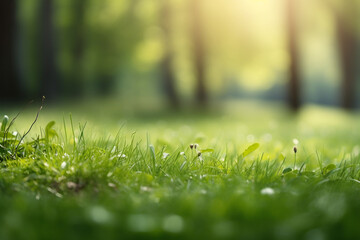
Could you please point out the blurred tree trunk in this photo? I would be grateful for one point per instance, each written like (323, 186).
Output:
(106, 84)
(199, 52)
(10, 86)
(348, 44)
(168, 76)
(48, 73)
(294, 70)
(77, 33)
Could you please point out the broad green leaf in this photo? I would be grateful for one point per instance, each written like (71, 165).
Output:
(49, 126)
(250, 149)
(286, 170)
(49, 131)
(329, 168)
(207, 150)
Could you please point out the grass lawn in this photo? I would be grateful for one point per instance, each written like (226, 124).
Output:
(108, 175)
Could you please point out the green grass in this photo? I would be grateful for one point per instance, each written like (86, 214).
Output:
(105, 175)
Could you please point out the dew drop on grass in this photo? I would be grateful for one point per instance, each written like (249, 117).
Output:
(267, 191)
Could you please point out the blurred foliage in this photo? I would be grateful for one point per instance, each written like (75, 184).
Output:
(116, 47)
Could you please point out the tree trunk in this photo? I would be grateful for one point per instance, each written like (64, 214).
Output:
(77, 33)
(48, 74)
(294, 70)
(199, 53)
(347, 50)
(10, 85)
(168, 76)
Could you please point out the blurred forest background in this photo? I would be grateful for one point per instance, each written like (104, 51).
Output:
(181, 52)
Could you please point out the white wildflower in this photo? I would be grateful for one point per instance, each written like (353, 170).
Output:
(267, 191)
(63, 165)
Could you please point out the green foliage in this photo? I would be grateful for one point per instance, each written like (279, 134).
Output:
(12, 145)
(250, 149)
(329, 168)
(50, 132)
(208, 150)
(286, 170)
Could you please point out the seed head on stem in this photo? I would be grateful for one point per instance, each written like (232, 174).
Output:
(295, 151)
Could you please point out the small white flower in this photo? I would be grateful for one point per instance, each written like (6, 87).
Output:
(295, 141)
(182, 153)
(267, 191)
(63, 165)
(145, 189)
(121, 155)
(165, 155)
